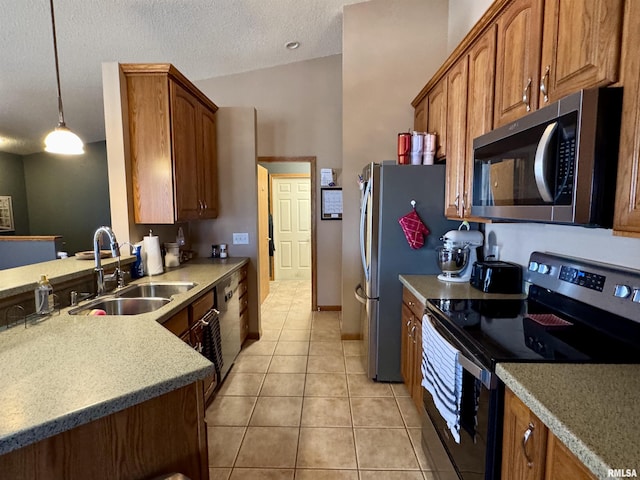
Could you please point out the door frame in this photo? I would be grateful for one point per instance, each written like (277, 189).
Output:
(312, 175)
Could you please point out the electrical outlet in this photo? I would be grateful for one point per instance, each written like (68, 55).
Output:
(241, 239)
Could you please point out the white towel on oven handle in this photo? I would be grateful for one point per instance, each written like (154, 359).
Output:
(442, 376)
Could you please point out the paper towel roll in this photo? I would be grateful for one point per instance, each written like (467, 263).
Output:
(154, 256)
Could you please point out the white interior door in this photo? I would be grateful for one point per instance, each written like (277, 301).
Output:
(292, 226)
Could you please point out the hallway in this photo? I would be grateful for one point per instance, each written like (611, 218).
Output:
(297, 404)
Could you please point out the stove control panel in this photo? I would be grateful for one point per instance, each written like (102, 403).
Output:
(612, 288)
(582, 278)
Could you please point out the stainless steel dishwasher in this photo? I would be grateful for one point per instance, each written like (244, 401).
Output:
(228, 304)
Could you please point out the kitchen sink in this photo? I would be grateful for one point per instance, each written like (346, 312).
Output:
(155, 289)
(122, 306)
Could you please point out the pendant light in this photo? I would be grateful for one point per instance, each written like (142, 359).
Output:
(61, 139)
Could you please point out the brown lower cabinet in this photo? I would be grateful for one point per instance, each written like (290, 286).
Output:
(530, 451)
(186, 325)
(243, 295)
(163, 435)
(411, 346)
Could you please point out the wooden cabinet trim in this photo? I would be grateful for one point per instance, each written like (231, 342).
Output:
(485, 21)
(140, 69)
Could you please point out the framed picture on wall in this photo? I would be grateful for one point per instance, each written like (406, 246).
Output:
(6, 214)
(331, 203)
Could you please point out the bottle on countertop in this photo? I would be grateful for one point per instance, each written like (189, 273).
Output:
(44, 296)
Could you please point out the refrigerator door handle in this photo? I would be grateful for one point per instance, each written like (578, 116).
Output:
(363, 218)
(360, 295)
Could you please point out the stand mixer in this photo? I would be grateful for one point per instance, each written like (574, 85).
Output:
(458, 254)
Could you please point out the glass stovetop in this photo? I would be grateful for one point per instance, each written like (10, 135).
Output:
(525, 331)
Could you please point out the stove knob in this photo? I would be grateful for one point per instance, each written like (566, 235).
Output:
(544, 269)
(636, 295)
(622, 291)
(533, 266)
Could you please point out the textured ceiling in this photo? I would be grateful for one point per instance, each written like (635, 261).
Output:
(202, 38)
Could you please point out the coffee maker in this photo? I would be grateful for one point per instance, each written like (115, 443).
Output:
(458, 254)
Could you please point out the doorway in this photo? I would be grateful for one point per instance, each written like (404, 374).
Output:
(291, 211)
(294, 251)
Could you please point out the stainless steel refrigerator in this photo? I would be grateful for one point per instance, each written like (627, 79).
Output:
(387, 192)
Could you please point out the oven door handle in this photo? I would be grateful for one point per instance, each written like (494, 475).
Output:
(486, 377)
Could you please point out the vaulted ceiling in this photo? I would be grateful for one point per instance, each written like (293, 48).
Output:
(202, 38)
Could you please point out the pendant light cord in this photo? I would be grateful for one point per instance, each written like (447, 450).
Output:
(55, 53)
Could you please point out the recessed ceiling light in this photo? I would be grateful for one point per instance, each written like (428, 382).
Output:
(292, 45)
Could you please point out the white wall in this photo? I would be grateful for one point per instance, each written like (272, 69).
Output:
(517, 241)
(390, 50)
(299, 109)
(463, 14)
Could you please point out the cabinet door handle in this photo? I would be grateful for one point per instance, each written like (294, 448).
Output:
(526, 95)
(411, 304)
(413, 329)
(457, 201)
(525, 439)
(543, 84)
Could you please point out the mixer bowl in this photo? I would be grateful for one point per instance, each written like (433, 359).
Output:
(452, 260)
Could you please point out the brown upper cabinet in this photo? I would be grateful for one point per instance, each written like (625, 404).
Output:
(437, 116)
(499, 71)
(580, 46)
(457, 81)
(420, 116)
(626, 219)
(172, 146)
(470, 115)
(518, 58)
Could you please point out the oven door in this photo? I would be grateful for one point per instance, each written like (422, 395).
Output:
(478, 455)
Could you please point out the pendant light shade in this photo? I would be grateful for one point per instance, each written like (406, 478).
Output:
(61, 140)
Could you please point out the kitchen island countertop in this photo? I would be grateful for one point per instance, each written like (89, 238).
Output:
(592, 409)
(68, 370)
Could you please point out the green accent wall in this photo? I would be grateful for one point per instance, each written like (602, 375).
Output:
(12, 183)
(68, 195)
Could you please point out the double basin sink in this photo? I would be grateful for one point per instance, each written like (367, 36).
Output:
(134, 299)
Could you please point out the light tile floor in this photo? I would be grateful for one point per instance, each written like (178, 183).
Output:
(297, 404)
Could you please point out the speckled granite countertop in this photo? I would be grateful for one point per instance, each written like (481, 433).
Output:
(592, 409)
(69, 370)
(14, 281)
(428, 286)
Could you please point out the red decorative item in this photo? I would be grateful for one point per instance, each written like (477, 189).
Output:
(414, 229)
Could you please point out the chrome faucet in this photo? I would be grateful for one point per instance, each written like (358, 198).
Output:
(115, 253)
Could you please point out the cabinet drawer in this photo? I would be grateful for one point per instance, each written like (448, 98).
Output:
(243, 272)
(244, 302)
(415, 305)
(244, 326)
(179, 323)
(242, 288)
(201, 306)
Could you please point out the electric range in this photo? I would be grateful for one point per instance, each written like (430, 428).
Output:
(576, 311)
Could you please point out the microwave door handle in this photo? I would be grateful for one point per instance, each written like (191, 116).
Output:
(363, 218)
(541, 163)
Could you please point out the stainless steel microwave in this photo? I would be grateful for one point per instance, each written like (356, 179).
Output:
(555, 165)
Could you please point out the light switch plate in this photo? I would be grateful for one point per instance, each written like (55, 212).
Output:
(241, 239)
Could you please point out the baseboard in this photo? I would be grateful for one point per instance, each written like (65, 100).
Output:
(329, 308)
(351, 336)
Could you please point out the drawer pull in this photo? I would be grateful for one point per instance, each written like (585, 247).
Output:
(525, 440)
